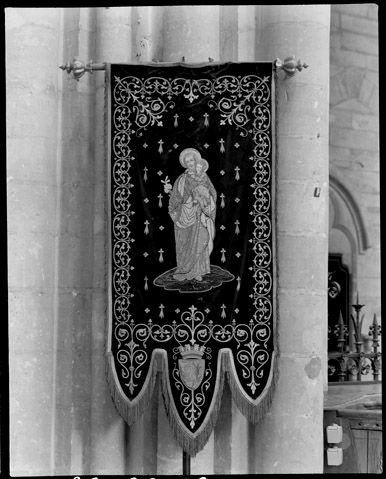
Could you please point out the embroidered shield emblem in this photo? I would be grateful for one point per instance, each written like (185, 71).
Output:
(192, 372)
(192, 264)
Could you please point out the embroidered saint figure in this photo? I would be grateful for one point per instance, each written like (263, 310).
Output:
(192, 208)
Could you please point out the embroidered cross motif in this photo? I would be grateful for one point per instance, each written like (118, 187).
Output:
(230, 108)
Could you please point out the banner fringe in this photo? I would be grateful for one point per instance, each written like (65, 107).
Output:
(190, 443)
(132, 412)
(254, 412)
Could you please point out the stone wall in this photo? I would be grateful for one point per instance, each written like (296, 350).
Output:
(62, 418)
(354, 148)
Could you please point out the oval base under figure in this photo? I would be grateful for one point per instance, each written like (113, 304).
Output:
(214, 279)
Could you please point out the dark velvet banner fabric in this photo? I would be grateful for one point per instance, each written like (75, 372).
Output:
(191, 241)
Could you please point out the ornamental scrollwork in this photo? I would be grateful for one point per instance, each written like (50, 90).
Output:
(233, 108)
(251, 344)
(242, 102)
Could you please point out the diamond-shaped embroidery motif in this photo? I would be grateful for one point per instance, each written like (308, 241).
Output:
(159, 173)
(237, 310)
(237, 145)
(161, 228)
(146, 200)
(237, 199)
(145, 145)
(175, 146)
(222, 172)
(238, 254)
(207, 310)
(222, 227)
(145, 254)
(206, 145)
(191, 118)
(147, 310)
(177, 310)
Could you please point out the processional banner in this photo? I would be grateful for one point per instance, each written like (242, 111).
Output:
(191, 241)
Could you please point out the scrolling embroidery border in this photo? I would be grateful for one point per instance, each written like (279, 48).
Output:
(148, 111)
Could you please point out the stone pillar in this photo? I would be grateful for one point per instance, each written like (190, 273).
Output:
(246, 32)
(290, 438)
(108, 431)
(32, 36)
(191, 32)
(229, 33)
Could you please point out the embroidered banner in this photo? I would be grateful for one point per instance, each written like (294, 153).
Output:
(191, 241)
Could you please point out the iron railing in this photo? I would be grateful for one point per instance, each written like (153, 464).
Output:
(352, 363)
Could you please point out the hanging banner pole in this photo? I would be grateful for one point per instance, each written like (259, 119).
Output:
(78, 68)
(185, 463)
(194, 299)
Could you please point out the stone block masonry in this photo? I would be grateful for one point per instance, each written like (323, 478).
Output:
(56, 206)
(354, 130)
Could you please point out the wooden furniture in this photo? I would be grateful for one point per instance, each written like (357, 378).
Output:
(357, 407)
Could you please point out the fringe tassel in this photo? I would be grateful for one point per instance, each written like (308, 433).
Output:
(254, 412)
(131, 411)
(192, 443)
(189, 442)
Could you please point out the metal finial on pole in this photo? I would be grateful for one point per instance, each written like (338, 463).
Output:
(79, 68)
(290, 65)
